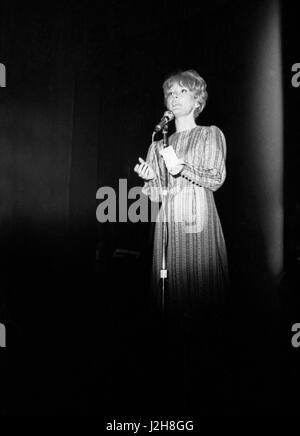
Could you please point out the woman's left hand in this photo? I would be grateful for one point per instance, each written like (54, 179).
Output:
(174, 171)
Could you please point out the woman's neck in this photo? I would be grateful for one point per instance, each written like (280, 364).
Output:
(184, 124)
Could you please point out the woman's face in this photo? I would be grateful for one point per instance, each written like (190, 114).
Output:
(180, 100)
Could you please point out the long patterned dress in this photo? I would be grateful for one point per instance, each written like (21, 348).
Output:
(196, 251)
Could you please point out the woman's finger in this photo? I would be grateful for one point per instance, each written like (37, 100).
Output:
(146, 167)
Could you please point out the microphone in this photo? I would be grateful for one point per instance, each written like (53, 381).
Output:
(168, 116)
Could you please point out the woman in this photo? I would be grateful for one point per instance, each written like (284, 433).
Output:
(196, 251)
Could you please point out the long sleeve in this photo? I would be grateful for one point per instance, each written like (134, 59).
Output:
(152, 188)
(210, 171)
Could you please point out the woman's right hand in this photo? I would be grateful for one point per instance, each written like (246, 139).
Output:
(144, 170)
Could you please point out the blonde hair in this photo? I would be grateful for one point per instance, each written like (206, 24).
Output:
(191, 80)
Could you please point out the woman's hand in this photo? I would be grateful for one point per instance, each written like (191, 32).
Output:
(176, 169)
(144, 170)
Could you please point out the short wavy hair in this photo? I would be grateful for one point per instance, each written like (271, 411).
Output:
(191, 80)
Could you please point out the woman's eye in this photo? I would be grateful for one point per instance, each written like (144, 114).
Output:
(183, 91)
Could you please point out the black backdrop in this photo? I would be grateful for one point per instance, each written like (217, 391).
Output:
(83, 92)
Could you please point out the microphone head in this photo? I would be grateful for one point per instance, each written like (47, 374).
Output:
(169, 115)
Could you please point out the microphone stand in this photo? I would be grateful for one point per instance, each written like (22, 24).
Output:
(163, 270)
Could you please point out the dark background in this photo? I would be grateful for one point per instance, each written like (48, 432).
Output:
(82, 95)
